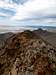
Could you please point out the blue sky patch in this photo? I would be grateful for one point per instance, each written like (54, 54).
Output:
(7, 11)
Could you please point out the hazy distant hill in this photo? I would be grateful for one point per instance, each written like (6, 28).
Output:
(47, 36)
(4, 37)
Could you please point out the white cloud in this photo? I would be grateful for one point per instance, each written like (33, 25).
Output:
(7, 9)
(3, 14)
(45, 20)
(6, 4)
(29, 10)
(32, 6)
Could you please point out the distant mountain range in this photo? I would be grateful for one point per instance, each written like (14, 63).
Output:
(6, 29)
(49, 28)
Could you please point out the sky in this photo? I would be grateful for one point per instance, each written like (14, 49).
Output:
(27, 13)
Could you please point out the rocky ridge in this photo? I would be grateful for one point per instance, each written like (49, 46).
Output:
(27, 54)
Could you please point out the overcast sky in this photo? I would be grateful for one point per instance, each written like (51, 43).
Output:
(27, 12)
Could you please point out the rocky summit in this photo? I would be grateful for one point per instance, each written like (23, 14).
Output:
(27, 54)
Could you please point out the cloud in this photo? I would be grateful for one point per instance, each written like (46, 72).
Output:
(6, 4)
(8, 7)
(24, 12)
(30, 8)
(7, 12)
(2, 14)
(19, 1)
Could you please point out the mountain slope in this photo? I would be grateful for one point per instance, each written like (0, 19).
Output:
(50, 37)
(4, 37)
(26, 53)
